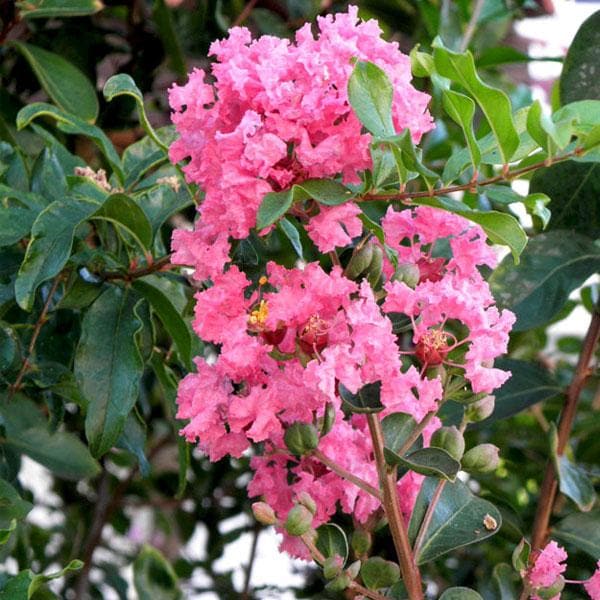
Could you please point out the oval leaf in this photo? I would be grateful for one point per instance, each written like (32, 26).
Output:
(582, 530)
(48, 9)
(435, 462)
(378, 573)
(332, 541)
(460, 593)
(273, 206)
(366, 400)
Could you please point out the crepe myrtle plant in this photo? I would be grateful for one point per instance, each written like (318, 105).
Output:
(333, 373)
(352, 303)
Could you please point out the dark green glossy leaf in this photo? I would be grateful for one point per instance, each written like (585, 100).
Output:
(494, 103)
(461, 110)
(108, 365)
(366, 400)
(16, 588)
(70, 89)
(9, 347)
(397, 428)
(292, 234)
(575, 483)
(73, 125)
(582, 530)
(460, 593)
(161, 201)
(167, 30)
(458, 519)
(43, 9)
(133, 439)
(15, 224)
(579, 79)
(61, 452)
(144, 155)
(332, 541)
(50, 245)
(370, 94)
(153, 576)
(48, 178)
(435, 462)
(273, 206)
(162, 294)
(552, 266)
(324, 191)
(378, 573)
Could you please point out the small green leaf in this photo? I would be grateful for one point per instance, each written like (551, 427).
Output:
(153, 577)
(292, 235)
(62, 81)
(38, 580)
(123, 85)
(461, 110)
(378, 573)
(15, 224)
(49, 9)
(72, 125)
(161, 201)
(460, 593)
(50, 245)
(273, 206)
(494, 103)
(582, 530)
(459, 519)
(370, 93)
(324, 191)
(397, 428)
(108, 365)
(162, 294)
(421, 63)
(133, 439)
(520, 556)
(434, 462)
(12, 509)
(552, 266)
(332, 541)
(575, 484)
(366, 400)
(504, 582)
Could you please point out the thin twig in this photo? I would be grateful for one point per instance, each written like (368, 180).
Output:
(391, 505)
(36, 332)
(567, 417)
(157, 265)
(339, 470)
(417, 431)
(248, 575)
(245, 13)
(472, 25)
(366, 592)
(428, 515)
(472, 184)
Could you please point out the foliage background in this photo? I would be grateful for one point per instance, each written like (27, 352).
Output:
(108, 436)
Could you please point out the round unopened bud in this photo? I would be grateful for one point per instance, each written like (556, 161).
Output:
(359, 262)
(361, 542)
(553, 591)
(301, 438)
(299, 520)
(339, 584)
(376, 267)
(407, 273)
(480, 410)
(332, 567)
(449, 439)
(305, 499)
(263, 513)
(481, 459)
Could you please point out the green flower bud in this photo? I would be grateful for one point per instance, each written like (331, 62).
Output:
(339, 584)
(299, 520)
(263, 513)
(361, 542)
(301, 438)
(449, 439)
(481, 459)
(306, 500)
(376, 267)
(480, 410)
(332, 567)
(408, 273)
(359, 262)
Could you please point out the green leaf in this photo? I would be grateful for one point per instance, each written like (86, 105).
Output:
(421, 63)
(15, 224)
(162, 293)
(38, 580)
(153, 576)
(397, 428)
(61, 452)
(370, 94)
(324, 191)
(161, 201)
(461, 110)
(332, 541)
(133, 439)
(434, 462)
(460, 593)
(70, 89)
(529, 384)
(494, 103)
(123, 211)
(574, 483)
(108, 365)
(292, 235)
(378, 573)
(16, 588)
(503, 580)
(552, 266)
(12, 509)
(167, 31)
(579, 78)
(582, 530)
(273, 206)
(50, 245)
(72, 125)
(123, 85)
(366, 400)
(458, 519)
(48, 9)
(143, 155)
(574, 188)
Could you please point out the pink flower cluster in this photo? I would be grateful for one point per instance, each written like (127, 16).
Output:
(285, 345)
(550, 564)
(277, 114)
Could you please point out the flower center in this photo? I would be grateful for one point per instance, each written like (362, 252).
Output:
(432, 348)
(314, 336)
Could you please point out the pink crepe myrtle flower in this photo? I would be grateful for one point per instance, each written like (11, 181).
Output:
(592, 585)
(277, 114)
(548, 566)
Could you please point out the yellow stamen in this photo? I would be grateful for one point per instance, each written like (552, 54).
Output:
(259, 315)
(263, 280)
